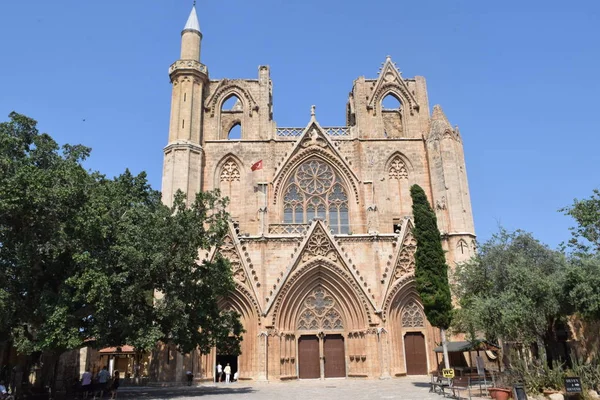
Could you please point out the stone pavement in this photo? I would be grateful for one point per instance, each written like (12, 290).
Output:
(407, 388)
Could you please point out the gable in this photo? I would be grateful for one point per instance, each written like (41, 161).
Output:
(314, 142)
(320, 248)
(390, 81)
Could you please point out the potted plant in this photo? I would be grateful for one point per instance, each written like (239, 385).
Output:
(501, 390)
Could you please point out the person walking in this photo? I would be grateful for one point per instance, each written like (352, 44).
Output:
(103, 377)
(115, 384)
(86, 383)
(227, 371)
(219, 372)
(190, 377)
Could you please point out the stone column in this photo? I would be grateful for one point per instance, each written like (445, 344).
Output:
(384, 353)
(263, 338)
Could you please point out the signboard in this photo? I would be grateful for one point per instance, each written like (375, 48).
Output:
(519, 392)
(480, 366)
(573, 385)
(448, 372)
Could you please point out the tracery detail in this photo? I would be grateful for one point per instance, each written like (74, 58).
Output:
(412, 316)
(398, 169)
(230, 172)
(229, 252)
(319, 246)
(406, 258)
(319, 312)
(315, 191)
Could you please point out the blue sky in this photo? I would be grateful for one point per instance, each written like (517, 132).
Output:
(520, 78)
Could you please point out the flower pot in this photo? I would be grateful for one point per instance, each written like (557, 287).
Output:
(500, 394)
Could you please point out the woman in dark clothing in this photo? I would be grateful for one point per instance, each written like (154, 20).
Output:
(115, 384)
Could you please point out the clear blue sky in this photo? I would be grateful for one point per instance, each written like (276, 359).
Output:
(520, 78)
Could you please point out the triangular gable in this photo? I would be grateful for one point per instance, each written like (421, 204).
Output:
(231, 250)
(388, 80)
(404, 262)
(313, 140)
(319, 243)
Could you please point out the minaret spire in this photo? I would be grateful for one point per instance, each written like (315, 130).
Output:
(192, 22)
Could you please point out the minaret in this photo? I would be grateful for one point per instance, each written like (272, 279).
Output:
(182, 168)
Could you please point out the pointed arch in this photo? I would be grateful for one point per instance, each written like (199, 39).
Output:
(342, 287)
(315, 190)
(229, 178)
(462, 248)
(226, 90)
(399, 175)
(412, 315)
(347, 176)
(398, 166)
(243, 302)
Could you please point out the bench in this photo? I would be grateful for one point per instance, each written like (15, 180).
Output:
(460, 385)
(438, 384)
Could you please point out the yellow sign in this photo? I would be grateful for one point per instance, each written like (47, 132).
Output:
(448, 373)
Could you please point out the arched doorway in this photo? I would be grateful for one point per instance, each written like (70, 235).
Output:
(415, 353)
(322, 354)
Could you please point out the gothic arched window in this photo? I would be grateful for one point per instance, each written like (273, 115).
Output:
(315, 191)
(319, 312)
(412, 316)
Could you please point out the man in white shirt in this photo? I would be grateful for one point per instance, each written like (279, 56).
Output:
(219, 372)
(227, 371)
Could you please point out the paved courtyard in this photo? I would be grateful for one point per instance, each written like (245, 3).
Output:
(409, 388)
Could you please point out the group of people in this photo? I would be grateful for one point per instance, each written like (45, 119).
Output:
(4, 392)
(227, 372)
(103, 383)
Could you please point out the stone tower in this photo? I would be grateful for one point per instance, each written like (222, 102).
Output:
(320, 240)
(184, 155)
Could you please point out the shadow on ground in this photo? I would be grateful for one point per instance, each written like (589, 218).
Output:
(421, 384)
(178, 392)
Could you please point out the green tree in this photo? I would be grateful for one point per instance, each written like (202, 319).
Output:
(586, 235)
(431, 270)
(82, 256)
(512, 290)
(582, 284)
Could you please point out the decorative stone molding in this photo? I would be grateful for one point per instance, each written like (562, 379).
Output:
(227, 89)
(230, 171)
(412, 316)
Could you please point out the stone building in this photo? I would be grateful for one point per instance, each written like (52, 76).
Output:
(320, 239)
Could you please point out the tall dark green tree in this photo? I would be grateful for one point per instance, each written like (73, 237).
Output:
(431, 270)
(82, 256)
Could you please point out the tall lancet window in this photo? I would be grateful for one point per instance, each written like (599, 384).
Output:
(315, 191)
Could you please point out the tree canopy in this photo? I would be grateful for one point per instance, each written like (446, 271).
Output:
(512, 290)
(431, 270)
(82, 255)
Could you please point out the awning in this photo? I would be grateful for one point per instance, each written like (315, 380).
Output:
(461, 346)
(118, 350)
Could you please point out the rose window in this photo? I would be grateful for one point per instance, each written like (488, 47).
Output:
(315, 191)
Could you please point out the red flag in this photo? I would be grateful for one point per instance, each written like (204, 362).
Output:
(256, 165)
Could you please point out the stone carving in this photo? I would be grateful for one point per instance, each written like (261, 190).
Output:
(229, 252)
(397, 169)
(230, 172)
(441, 203)
(462, 247)
(406, 259)
(319, 246)
(319, 312)
(314, 139)
(412, 316)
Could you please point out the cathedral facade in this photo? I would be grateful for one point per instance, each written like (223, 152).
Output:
(320, 239)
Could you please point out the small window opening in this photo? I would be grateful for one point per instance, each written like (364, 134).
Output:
(391, 102)
(235, 133)
(184, 96)
(397, 225)
(183, 123)
(232, 104)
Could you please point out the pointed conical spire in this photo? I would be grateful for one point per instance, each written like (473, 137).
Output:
(439, 123)
(192, 22)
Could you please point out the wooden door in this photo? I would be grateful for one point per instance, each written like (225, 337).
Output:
(334, 356)
(416, 355)
(308, 357)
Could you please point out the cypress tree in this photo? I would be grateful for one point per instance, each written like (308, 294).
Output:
(431, 270)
